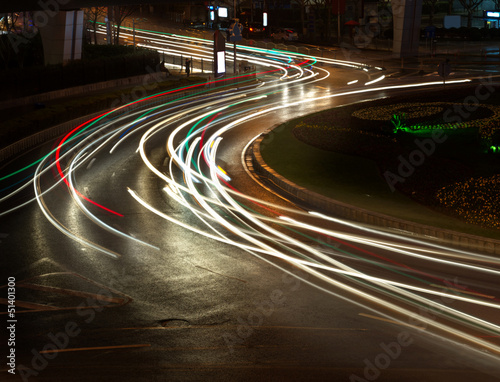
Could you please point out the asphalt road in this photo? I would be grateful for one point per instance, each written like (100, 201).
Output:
(116, 278)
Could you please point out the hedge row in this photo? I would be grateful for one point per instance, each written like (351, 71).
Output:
(35, 80)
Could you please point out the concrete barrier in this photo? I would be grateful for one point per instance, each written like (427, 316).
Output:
(281, 47)
(271, 46)
(42, 137)
(304, 50)
(329, 53)
(261, 44)
(77, 90)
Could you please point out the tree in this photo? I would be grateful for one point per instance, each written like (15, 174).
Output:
(470, 6)
(322, 8)
(17, 44)
(303, 4)
(117, 15)
(93, 15)
(9, 21)
(431, 4)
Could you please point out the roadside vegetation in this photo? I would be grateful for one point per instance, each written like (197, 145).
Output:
(99, 63)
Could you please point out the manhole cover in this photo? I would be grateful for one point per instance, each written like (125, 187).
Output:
(174, 322)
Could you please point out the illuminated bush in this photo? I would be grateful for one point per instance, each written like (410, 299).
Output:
(476, 200)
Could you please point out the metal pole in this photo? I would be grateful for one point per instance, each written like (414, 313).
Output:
(235, 25)
(338, 20)
(133, 32)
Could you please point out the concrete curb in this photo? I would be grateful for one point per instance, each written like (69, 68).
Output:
(342, 210)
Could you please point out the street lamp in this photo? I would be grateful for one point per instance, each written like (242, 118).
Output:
(338, 21)
(138, 19)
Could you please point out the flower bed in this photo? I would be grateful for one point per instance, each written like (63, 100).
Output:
(476, 200)
(427, 116)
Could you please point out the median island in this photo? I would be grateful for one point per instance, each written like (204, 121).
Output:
(417, 158)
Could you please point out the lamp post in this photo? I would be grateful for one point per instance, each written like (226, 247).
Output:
(338, 21)
(133, 28)
(133, 32)
(234, 46)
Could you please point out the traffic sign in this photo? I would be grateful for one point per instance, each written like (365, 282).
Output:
(430, 31)
(236, 29)
(444, 69)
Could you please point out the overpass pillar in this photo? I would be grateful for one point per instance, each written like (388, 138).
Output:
(406, 18)
(62, 37)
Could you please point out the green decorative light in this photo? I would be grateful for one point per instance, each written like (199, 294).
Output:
(398, 120)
